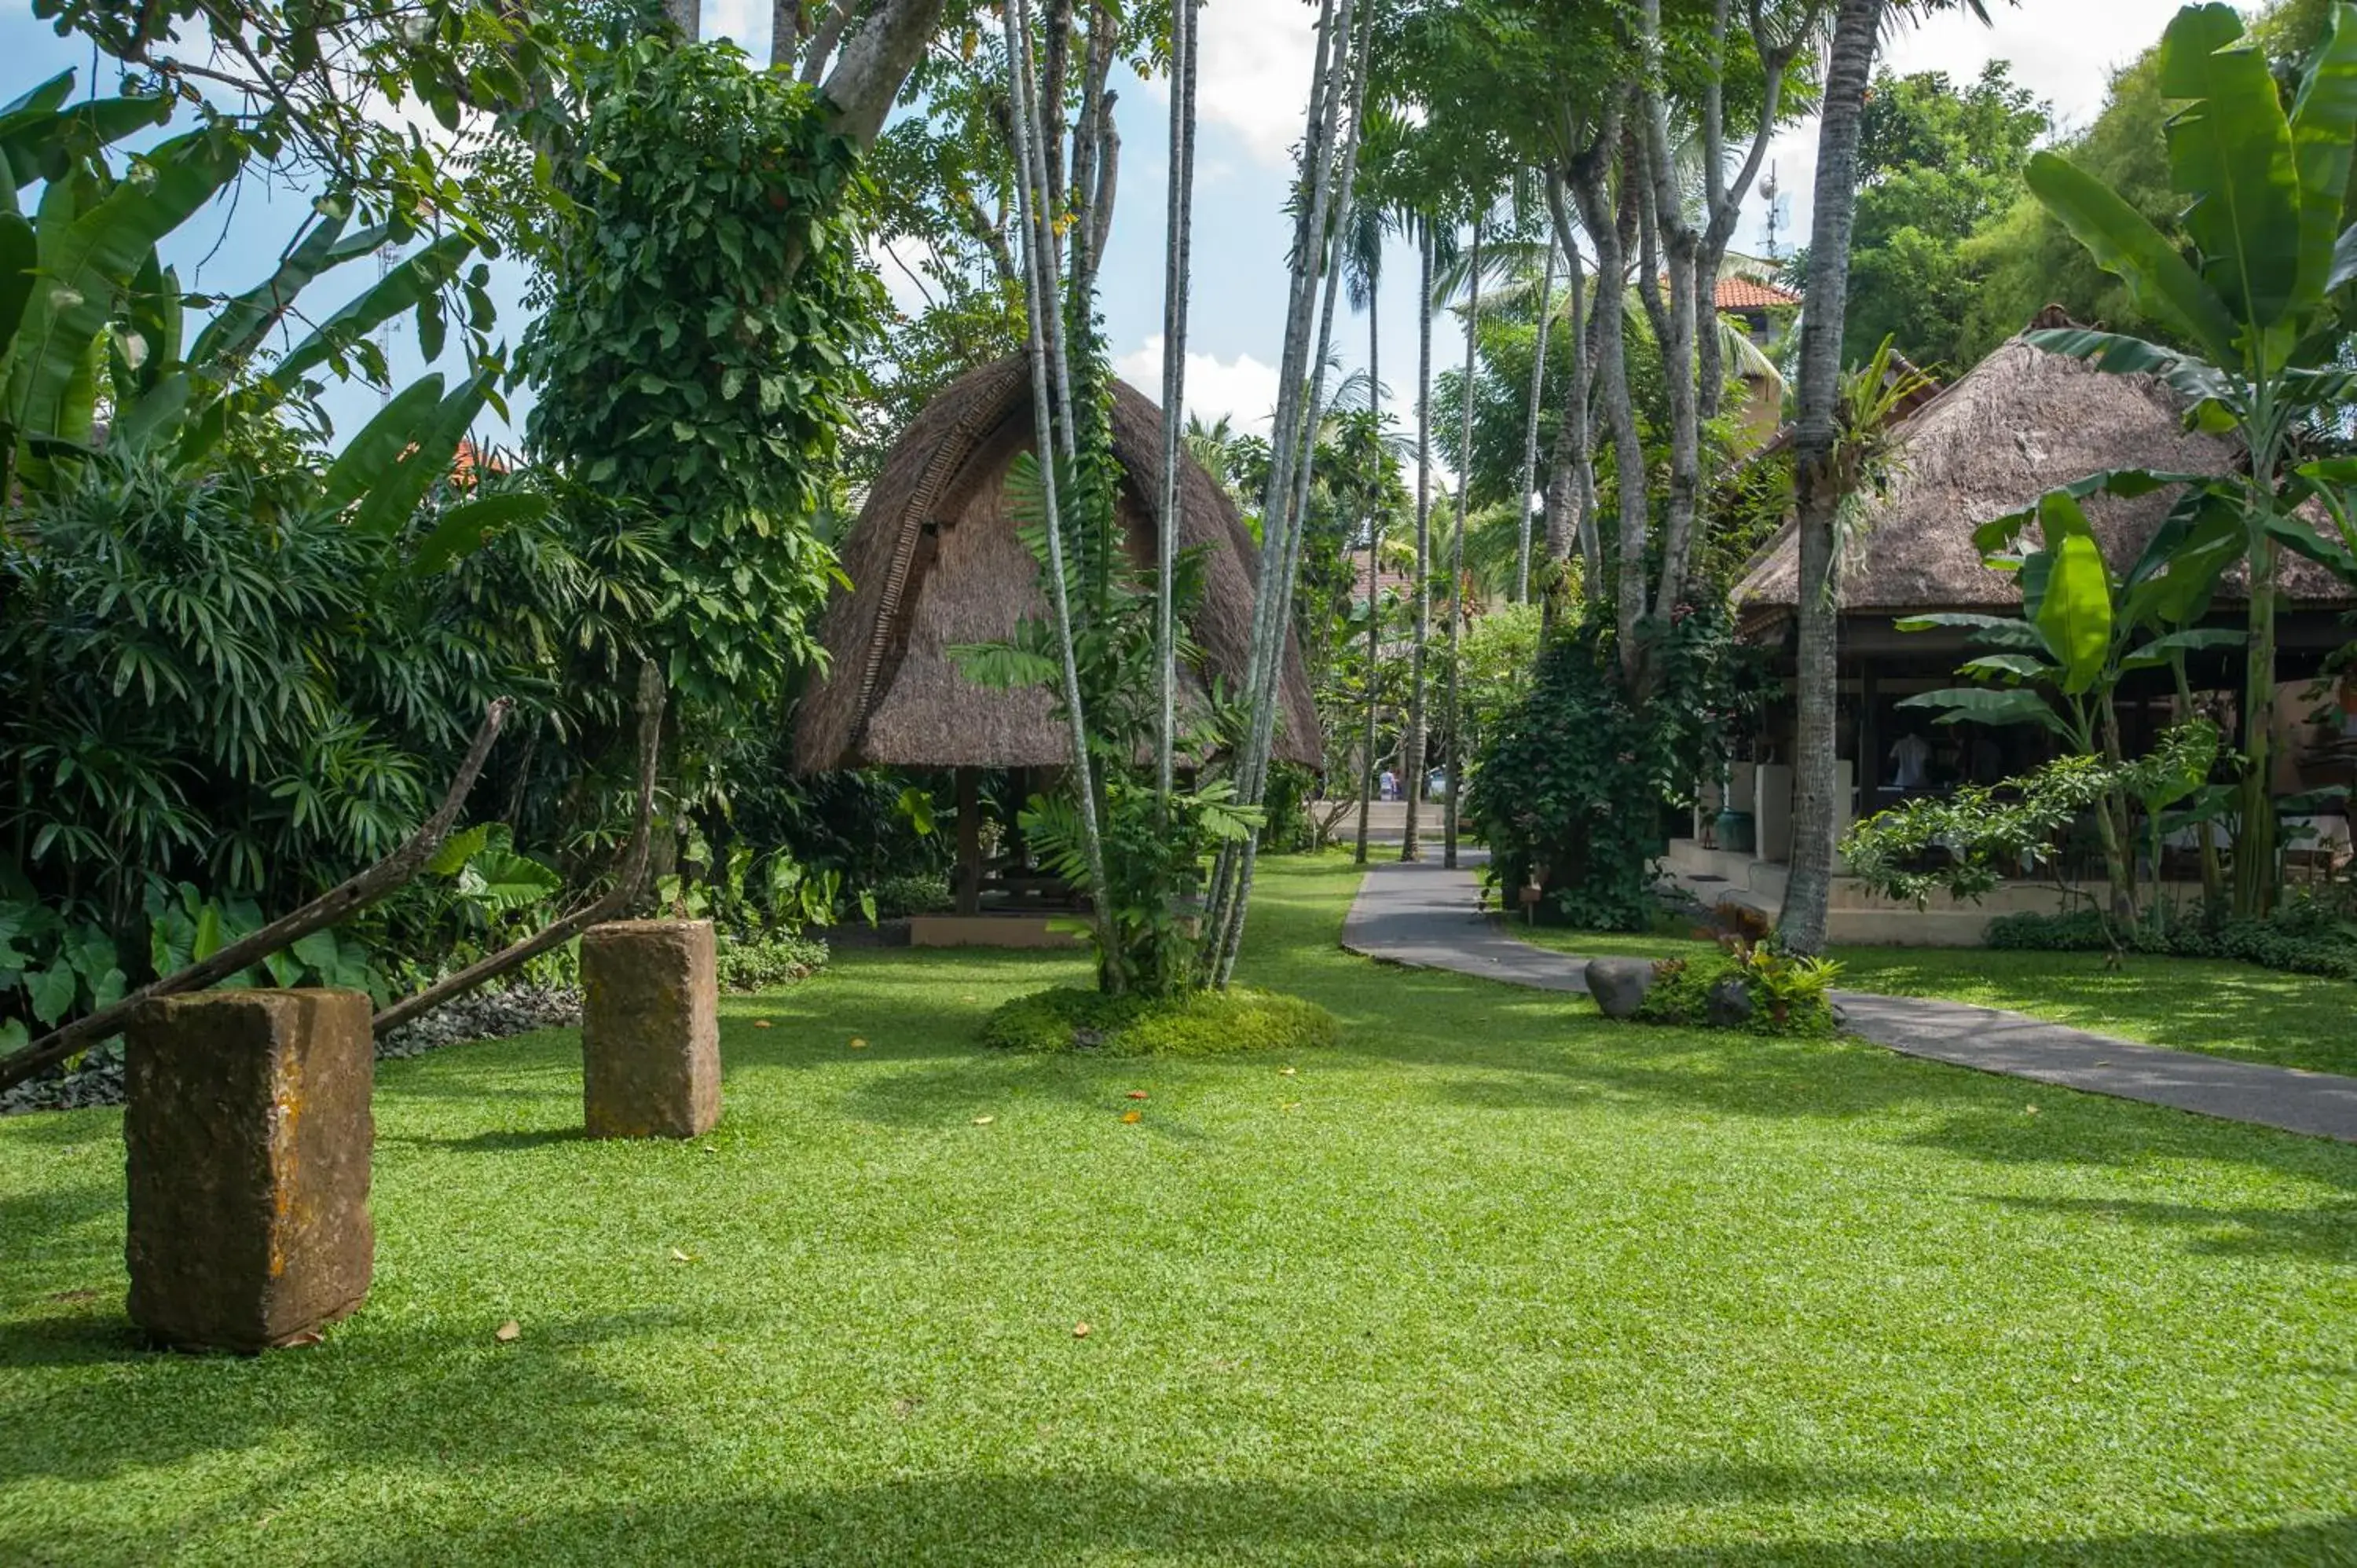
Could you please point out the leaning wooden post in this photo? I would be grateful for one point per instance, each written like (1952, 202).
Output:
(246, 1137)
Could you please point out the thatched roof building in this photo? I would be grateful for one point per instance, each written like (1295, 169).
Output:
(935, 561)
(2017, 425)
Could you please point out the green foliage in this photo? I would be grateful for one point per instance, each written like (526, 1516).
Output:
(2303, 937)
(768, 961)
(696, 364)
(1936, 161)
(1571, 788)
(1186, 1024)
(900, 897)
(1790, 995)
(1966, 843)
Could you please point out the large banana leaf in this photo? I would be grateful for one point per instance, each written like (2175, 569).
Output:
(467, 526)
(2160, 651)
(37, 130)
(2000, 533)
(368, 457)
(18, 255)
(2294, 535)
(2076, 615)
(1986, 705)
(2323, 127)
(2230, 149)
(243, 323)
(1988, 631)
(399, 290)
(2172, 582)
(2125, 243)
(395, 498)
(87, 262)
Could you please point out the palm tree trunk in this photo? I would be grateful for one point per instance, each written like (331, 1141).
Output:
(1038, 276)
(1808, 894)
(1452, 750)
(1178, 246)
(1375, 571)
(1531, 431)
(1591, 184)
(1412, 759)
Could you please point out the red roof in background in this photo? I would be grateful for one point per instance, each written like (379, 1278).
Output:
(1739, 293)
(1392, 581)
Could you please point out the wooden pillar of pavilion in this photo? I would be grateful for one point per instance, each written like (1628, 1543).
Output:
(969, 845)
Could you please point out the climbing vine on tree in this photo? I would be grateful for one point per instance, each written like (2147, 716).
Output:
(696, 353)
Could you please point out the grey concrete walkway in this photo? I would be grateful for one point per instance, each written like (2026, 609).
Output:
(1424, 916)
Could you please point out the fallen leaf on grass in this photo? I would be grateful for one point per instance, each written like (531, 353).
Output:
(1079, 1331)
(507, 1333)
(679, 1257)
(857, 1044)
(984, 1120)
(760, 1023)
(2029, 1110)
(308, 1337)
(1138, 1094)
(1133, 1116)
(1291, 1105)
(1287, 1071)
(75, 1295)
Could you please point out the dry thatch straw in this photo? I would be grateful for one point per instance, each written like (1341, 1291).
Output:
(2017, 425)
(935, 561)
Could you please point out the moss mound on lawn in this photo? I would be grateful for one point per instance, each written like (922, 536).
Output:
(1198, 1024)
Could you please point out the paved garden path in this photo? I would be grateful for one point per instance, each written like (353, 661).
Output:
(1428, 917)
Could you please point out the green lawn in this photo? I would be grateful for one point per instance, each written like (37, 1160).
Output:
(2213, 1006)
(1495, 1282)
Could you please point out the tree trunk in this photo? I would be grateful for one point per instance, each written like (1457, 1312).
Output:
(1374, 567)
(2255, 843)
(1452, 751)
(1039, 275)
(1592, 186)
(1809, 892)
(1412, 750)
(1531, 431)
(1178, 245)
(866, 77)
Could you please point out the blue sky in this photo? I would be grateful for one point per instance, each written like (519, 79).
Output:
(1253, 82)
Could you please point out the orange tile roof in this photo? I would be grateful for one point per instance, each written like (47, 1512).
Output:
(1739, 293)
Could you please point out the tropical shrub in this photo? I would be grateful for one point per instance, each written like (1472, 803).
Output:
(1571, 789)
(1790, 994)
(2303, 936)
(1190, 1023)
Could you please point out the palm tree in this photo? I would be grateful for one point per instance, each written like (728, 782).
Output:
(1362, 275)
(1451, 752)
(1412, 759)
(1817, 496)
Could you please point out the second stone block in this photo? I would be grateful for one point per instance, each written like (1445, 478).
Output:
(650, 1029)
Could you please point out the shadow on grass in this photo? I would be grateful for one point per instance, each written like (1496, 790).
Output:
(374, 1392)
(2327, 1231)
(1061, 1517)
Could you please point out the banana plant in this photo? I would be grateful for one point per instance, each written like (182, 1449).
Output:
(2257, 311)
(2083, 631)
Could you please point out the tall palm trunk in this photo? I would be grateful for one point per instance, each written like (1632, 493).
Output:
(1178, 246)
(1452, 751)
(1412, 760)
(1531, 431)
(1374, 570)
(1043, 321)
(1809, 892)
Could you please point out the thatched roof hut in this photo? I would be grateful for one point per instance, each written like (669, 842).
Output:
(2019, 423)
(935, 561)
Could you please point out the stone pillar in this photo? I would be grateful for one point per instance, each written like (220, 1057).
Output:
(247, 1134)
(650, 1029)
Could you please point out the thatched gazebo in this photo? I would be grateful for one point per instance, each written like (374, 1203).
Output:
(2019, 423)
(935, 561)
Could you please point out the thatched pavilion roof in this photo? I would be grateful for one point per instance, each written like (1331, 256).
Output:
(934, 563)
(2015, 425)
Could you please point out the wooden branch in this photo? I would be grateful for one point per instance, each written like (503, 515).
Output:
(630, 872)
(867, 75)
(337, 904)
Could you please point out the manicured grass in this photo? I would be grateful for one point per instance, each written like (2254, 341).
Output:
(2212, 1005)
(1490, 1283)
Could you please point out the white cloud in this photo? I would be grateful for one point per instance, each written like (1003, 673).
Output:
(1254, 75)
(1242, 389)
